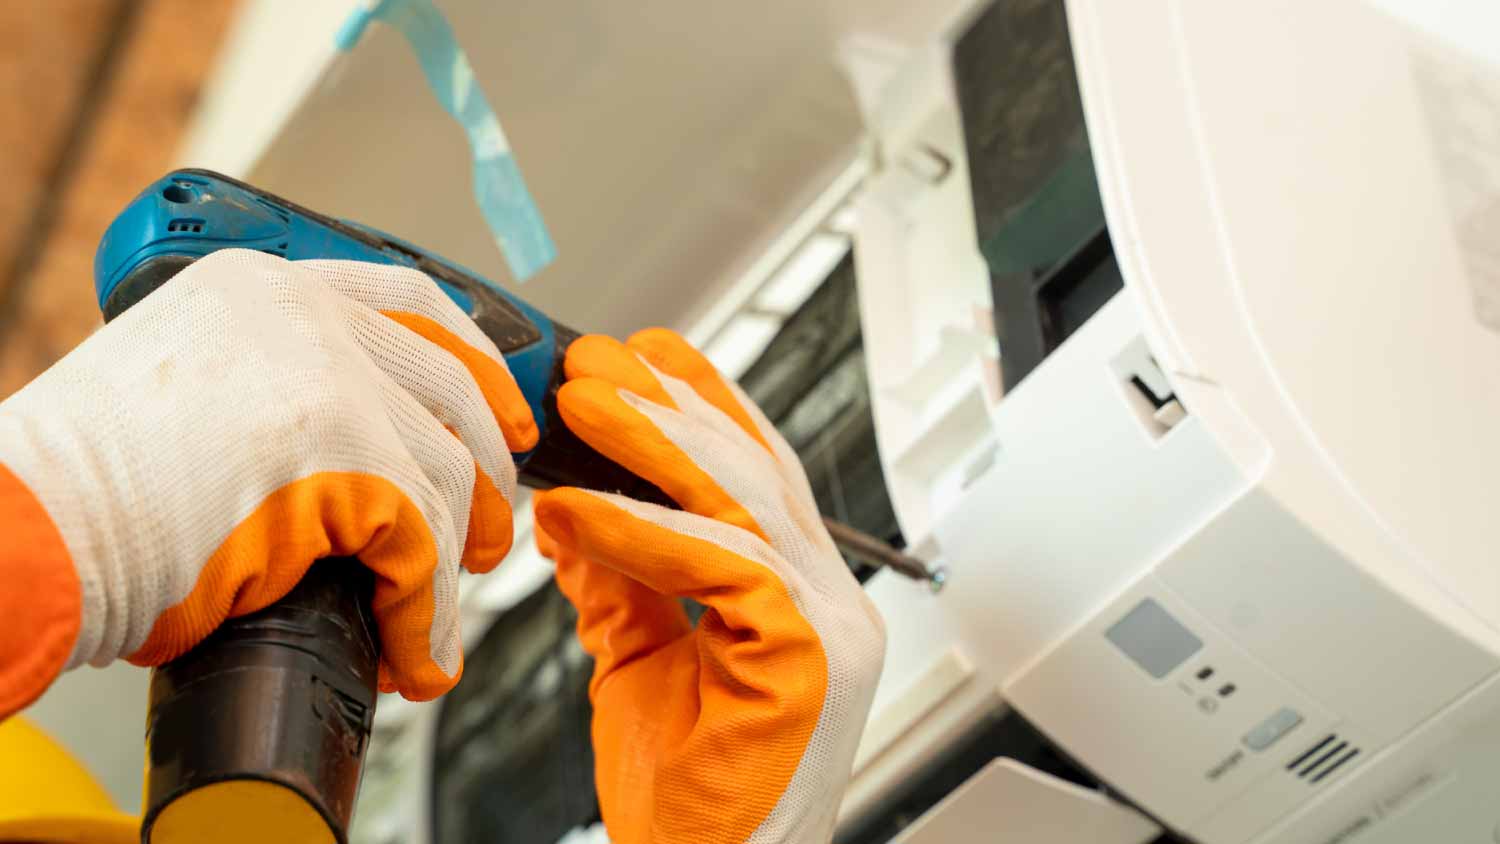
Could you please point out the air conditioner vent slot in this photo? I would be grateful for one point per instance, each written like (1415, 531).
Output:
(1318, 762)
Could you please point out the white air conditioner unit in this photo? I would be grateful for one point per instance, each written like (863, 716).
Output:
(1231, 545)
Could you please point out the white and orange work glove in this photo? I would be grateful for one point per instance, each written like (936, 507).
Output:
(743, 728)
(190, 460)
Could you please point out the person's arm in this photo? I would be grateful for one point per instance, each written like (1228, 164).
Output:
(40, 600)
(193, 458)
(743, 727)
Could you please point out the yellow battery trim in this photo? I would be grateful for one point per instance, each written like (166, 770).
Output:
(240, 812)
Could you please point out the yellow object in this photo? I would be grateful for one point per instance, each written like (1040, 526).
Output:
(240, 812)
(47, 797)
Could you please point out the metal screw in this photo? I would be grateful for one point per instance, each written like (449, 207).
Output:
(937, 579)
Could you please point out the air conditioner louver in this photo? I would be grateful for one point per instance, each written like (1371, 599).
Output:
(1320, 761)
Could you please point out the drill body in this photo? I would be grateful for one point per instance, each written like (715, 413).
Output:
(276, 707)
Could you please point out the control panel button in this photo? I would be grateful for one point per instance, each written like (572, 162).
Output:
(1155, 640)
(1269, 731)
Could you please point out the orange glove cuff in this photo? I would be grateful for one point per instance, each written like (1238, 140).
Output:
(41, 602)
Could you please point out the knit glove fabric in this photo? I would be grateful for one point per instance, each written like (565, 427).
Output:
(190, 461)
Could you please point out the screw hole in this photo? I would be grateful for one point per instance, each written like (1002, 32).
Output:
(177, 194)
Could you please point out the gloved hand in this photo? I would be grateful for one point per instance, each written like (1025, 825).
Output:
(190, 460)
(744, 727)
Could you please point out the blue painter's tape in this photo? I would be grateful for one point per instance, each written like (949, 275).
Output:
(353, 28)
(501, 192)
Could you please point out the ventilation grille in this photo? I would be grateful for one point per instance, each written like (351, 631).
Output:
(1320, 761)
(185, 225)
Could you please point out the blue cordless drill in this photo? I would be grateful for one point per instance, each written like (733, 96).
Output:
(287, 695)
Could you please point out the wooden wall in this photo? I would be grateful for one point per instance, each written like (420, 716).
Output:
(94, 98)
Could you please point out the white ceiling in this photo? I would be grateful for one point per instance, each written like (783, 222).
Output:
(667, 142)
